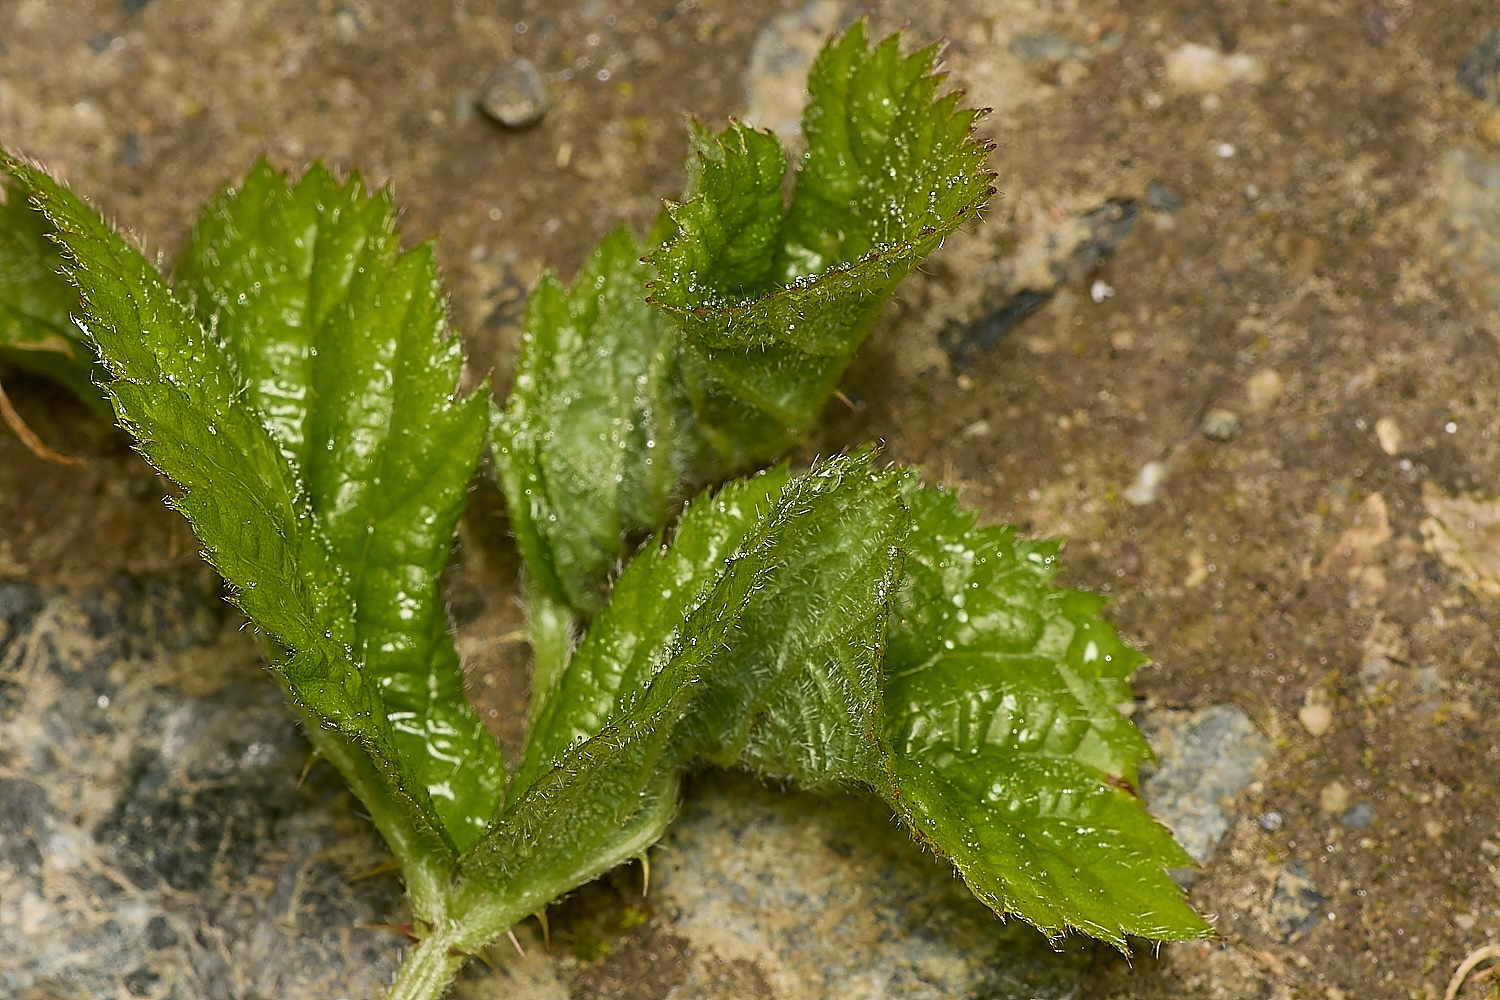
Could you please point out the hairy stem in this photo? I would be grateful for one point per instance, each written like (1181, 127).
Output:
(429, 967)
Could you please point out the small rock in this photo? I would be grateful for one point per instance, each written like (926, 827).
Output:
(1160, 198)
(514, 94)
(978, 429)
(1148, 484)
(1388, 433)
(1334, 798)
(1315, 718)
(1295, 901)
(1271, 822)
(1205, 759)
(1465, 534)
(1100, 290)
(1202, 69)
(1480, 70)
(1263, 389)
(1358, 816)
(1220, 424)
(1489, 848)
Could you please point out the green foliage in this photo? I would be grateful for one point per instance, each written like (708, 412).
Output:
(297, 388)
(762, 308)
(591, 445)
(838, 628)
(774, 302)
(1012, 760)
(37, 332)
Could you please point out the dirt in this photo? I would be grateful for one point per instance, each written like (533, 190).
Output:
(1305, 284)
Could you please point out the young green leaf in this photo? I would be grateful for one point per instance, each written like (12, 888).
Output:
(594, 438)
(628, 644)
(37, 302)
(263, 520)
(774, 304)
(769, 594)
(1011, 759)
(341, 343)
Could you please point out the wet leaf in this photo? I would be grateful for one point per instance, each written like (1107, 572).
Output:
(775, 302)
(281, 515)
(595, 435)
(1011, 760)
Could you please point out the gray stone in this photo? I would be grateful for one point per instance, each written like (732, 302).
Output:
(159, 844)
(1295, 901)
(1358, 816)
(1480, 70)
(514, 94)
(1205, 758)
(830, 898)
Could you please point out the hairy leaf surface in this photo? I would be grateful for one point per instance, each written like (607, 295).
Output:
(774, 303)
(770, 593)
(595, 435)
(37, 332)
(177, 389)
(341, 343)
(1011, 759)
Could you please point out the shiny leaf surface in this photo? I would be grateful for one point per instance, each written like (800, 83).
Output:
(176, 388)
(595, 434)
(774, 303)
(342, 344)
(768, 597)
(1011, 759)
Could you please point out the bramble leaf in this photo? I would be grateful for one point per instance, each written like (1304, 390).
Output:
(773, 303)
(628, 644)
(595, 435)
(271, 528)
(1011, 759)
(37, 332)
(771, 593)
(342, 345)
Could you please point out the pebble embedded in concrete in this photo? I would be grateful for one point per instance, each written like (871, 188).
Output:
(1220, 424)
(1315, 718)
(514, 94)
(1263, 389)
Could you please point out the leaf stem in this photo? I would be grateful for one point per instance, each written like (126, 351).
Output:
(429, 968)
